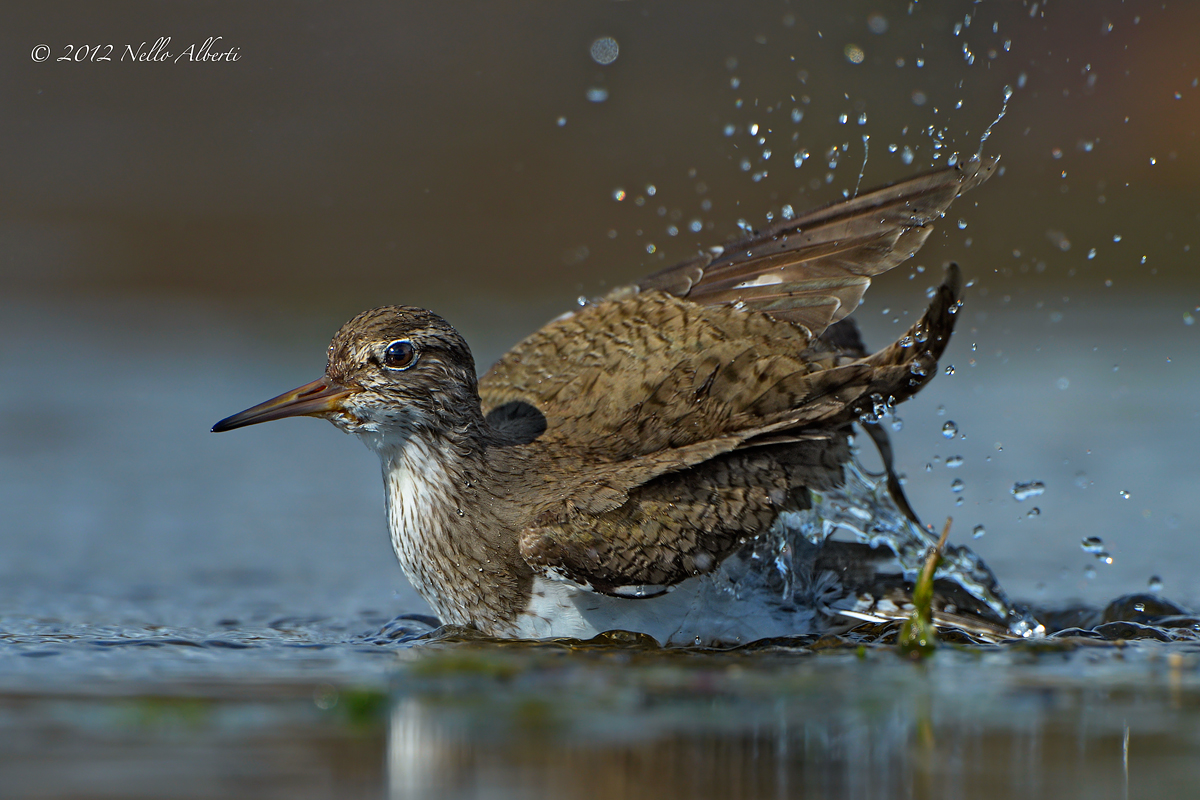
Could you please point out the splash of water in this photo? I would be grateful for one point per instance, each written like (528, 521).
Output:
(866, 139)
(1008, 93)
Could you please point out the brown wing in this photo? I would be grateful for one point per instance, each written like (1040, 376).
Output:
(648, 491)
(814, 269)
(684, 412)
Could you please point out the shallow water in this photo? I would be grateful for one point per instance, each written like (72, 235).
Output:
(176, 606)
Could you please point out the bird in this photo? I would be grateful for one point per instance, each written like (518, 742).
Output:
(626, 466)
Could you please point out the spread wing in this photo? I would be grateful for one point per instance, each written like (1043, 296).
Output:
(814, 269)
(683, 413)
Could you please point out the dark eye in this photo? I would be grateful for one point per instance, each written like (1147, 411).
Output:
(400, 354)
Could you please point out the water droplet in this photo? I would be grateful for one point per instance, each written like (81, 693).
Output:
(561, 121)
(581, 300)
(797, 115)
(460, 512)
(753, 129)
(897, 424)
(605, 50)
(862, 119)
(962, 224)
(854, 54)
(1116, 237)
(1155, 584)
(978, 531)
(843, 119)
(1024, 491)
(877, 23)
(695, 226)
(906, 155)
(1092, 544)
(949, 430)
(730, 130)
(957, 486)
(1089, 572)
(954, 462)
(618, 195)
(1091, 254)
(597, 94)
(766, 154)
(1125, 495)
(651, 190)
(949, 369)
(650, 248)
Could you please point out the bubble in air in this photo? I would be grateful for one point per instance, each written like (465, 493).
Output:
(605, 50)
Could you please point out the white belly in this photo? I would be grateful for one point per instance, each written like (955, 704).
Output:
(698, 612)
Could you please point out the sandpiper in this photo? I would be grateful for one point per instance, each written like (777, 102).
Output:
(609, 467)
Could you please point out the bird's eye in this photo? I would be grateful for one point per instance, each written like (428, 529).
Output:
(400, 354)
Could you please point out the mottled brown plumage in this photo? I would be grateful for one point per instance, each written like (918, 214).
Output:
(638, 442)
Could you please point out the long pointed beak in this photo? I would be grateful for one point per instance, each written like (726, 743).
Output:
(315, 399)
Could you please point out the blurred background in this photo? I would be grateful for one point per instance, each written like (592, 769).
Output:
(179, 240)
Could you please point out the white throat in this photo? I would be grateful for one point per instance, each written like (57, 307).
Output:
(417, 487)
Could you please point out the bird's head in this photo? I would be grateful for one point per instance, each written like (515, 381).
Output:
(392, 372)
